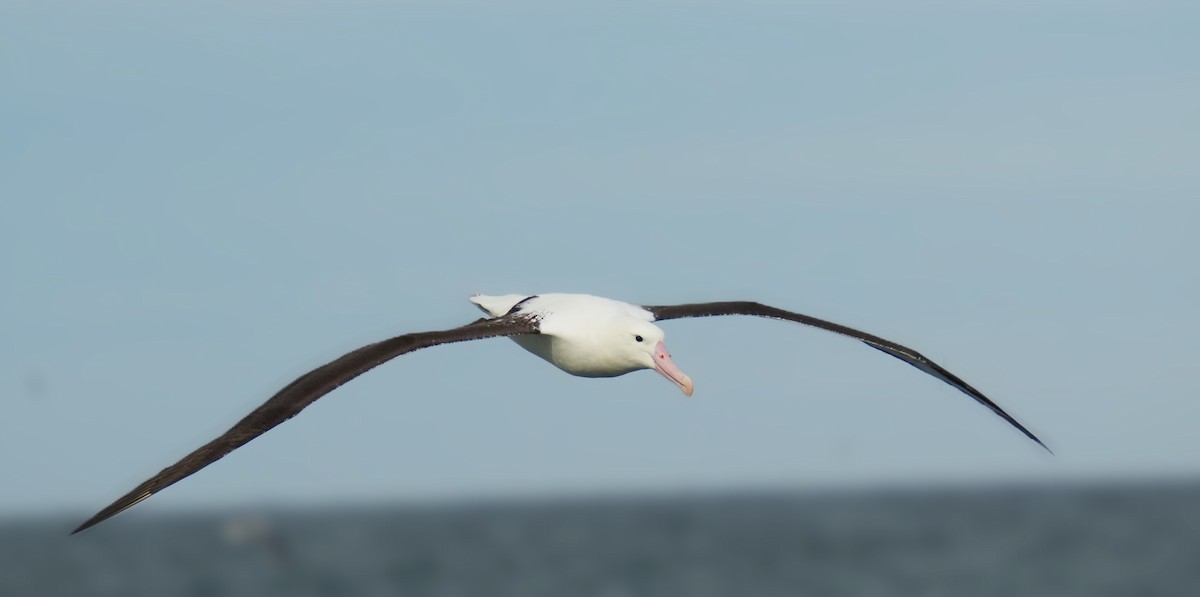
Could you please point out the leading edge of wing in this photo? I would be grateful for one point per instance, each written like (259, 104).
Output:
(908, 355)
(306, 389)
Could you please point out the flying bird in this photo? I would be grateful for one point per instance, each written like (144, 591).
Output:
(584, 335)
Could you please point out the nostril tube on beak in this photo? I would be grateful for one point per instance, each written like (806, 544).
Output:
(666, 367)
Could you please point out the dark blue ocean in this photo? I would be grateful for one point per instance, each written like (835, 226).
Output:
(1095, 541)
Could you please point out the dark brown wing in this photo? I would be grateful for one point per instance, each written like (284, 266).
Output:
(293, 398)
(903, 353)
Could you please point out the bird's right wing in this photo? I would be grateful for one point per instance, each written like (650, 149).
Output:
(305, 390)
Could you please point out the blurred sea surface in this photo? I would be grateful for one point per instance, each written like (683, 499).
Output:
(1119, 540)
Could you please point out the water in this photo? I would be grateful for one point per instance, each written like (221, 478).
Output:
(1093, 541)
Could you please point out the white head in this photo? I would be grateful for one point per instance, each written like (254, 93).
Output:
(640, 345)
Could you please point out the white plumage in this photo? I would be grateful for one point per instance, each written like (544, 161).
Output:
(589, 336)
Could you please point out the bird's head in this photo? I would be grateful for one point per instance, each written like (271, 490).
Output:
(642, 343)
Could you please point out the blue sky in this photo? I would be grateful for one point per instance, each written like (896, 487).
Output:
(204, 200)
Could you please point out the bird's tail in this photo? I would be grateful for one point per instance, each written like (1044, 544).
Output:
(497, 306)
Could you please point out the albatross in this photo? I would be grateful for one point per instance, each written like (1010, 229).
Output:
(584, 335)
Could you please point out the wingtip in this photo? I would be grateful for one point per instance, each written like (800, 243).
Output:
(114, 509)
(1044, 446)
(83, 527)
(1035, 439)
(100, 517)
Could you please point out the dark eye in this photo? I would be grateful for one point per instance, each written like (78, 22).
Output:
(638, 338)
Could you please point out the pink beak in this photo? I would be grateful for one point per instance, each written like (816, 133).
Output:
(666, 367)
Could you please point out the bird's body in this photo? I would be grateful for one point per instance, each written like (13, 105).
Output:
(583, 335)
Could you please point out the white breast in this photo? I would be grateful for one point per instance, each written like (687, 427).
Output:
(577, 330)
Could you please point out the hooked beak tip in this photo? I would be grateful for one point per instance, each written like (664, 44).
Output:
(666, 367)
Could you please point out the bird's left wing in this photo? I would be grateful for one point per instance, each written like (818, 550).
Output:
(899, 351)
(305, 390)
